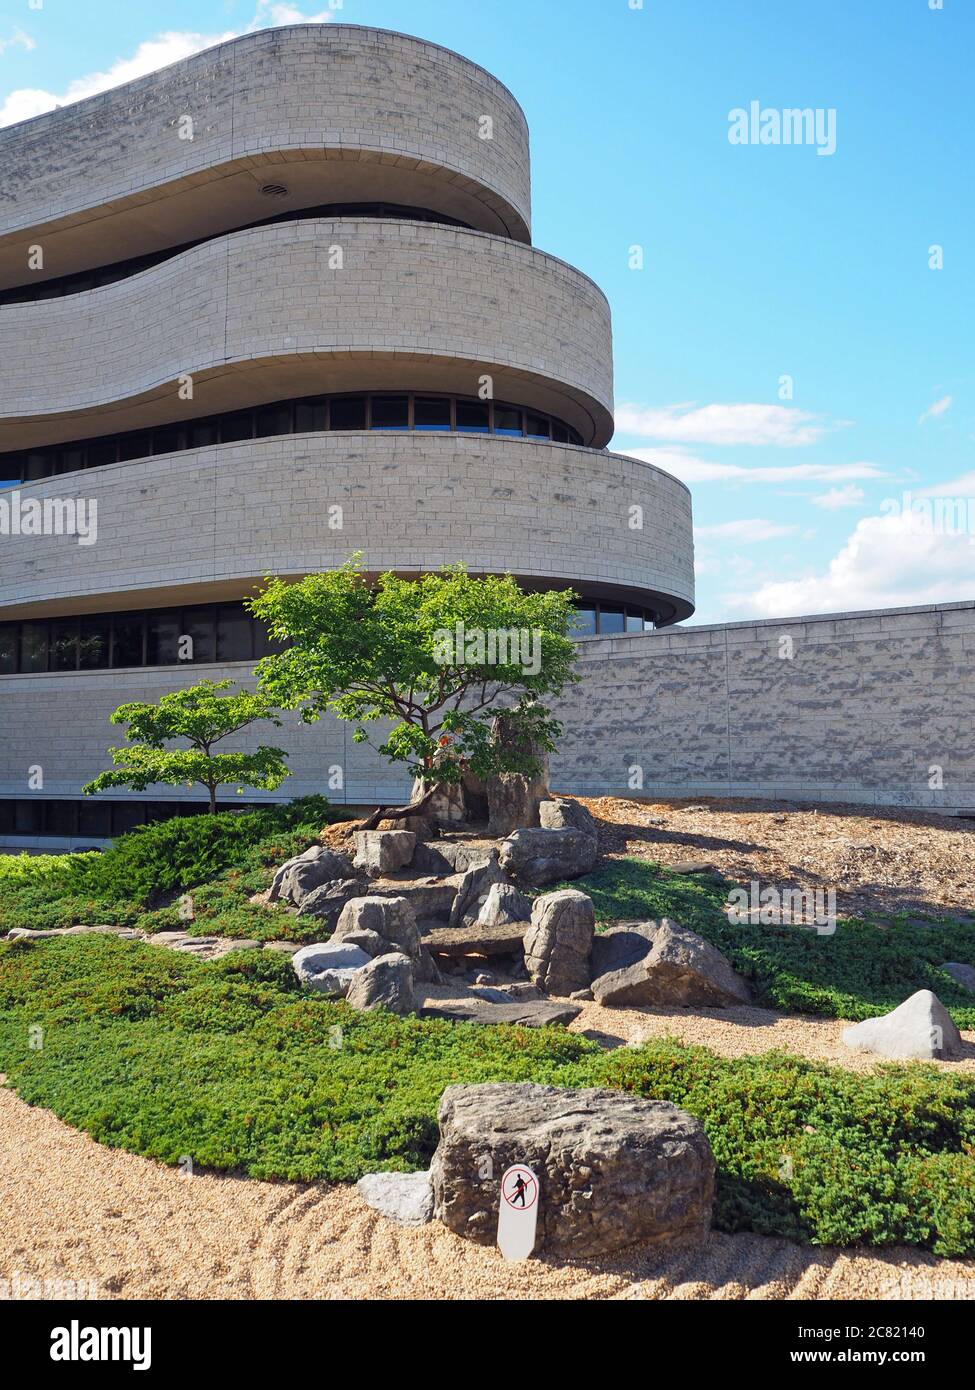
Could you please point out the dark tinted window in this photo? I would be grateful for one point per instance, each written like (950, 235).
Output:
(8, 649)
(348, 414)
(102, 452)
(431, 413)
(33, 646)
(536, 426)
(94, 642)
(507, 420)
(204, 432)
(39, 466)
(585, 622)
(126, 815)
(134, 446)
(167, 441)
(127, 630)
(233, 635)
(472, 417)
(95, 818)
(274, 419)
(29, 818)
(60, 817)
(64, 644)
(611, 618)
(201, 627)
(236, 427)
(390, 412)
(310, 417)
(162, 637)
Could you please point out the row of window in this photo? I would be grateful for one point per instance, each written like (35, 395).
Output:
(156, 637)
(603, 619)
(306, 415)
(199, 633)
(102, 820)
(80, 281)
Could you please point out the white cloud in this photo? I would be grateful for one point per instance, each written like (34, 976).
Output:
(691, 469)
(938, 408)
(887, 562)
(777, 425)
(152, 54)
(959, 487)
(747, 532)
(18, 39)
(837, 497)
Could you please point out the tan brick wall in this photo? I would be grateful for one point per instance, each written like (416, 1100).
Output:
(331, 87)
(473, 302)
(409, 501)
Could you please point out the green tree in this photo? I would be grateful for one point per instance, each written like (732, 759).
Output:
(440, 657)
(202, 717)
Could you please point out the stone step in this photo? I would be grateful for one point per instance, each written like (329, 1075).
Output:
(427, 896)
(503, 940)
(527, 1013)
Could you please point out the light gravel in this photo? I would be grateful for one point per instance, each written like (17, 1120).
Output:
(76, 1211)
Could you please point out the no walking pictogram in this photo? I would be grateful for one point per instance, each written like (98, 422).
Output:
(518, 1212)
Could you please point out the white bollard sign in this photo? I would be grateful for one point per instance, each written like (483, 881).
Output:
(518, 1212)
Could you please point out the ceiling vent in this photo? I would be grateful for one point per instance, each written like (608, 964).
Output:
(274, 190)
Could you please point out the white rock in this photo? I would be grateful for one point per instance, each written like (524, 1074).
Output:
(329, 967)
(920, 1028)
(403, 1197)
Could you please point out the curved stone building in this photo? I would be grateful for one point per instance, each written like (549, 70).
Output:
(271, 305)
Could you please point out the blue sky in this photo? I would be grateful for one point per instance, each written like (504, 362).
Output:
(761, 261)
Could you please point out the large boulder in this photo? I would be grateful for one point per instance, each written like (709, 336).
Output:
(673, 967)
(383, 983)
(513, 798)
(921, 1028)
(329, 967)
(535, 857)
(503, 905)
(558, 942)
(380, 852)
(612, 1169)
(473, 887)
(393, 920)
(302, 875)
(327, 902)
(562, 814)
(962, 974)
(406, 1198)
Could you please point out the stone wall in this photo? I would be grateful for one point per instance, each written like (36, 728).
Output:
(866, 705)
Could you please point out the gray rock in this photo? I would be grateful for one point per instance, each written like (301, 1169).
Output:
(513, 798)
(963, 975)
(535, 857)
(563, 814)
(612, 1169)
(300, 876)
(393, 921)
(383, 851)
(680, 968)
(327, 902)
(406, 1198)
(282, 948)
(921, 1027)
(384, 983)
(473, 887)
(392, 918)
(621, 946)
(474, 940)
(503, 905)
(526, 1013)
(369, 941)
(329, 967)
(558, 942)
(451, 856)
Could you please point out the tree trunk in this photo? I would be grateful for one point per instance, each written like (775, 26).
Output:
(397, 812)
(213, 799)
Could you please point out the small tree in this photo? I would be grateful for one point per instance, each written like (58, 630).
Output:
(201, 717)
(440, 656)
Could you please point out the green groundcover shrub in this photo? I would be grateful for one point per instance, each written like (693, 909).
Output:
(232, 1064)
(149, 867)
(863, 969)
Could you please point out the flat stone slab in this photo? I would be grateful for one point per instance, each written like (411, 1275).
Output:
(526, 1012)
(503, 940)
(406, 1198)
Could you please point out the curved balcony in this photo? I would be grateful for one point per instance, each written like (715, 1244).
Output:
(207, 524)
(328, 112)
(305, 307)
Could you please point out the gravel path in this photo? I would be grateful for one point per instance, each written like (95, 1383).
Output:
(744, 1031)
(75, 1211)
